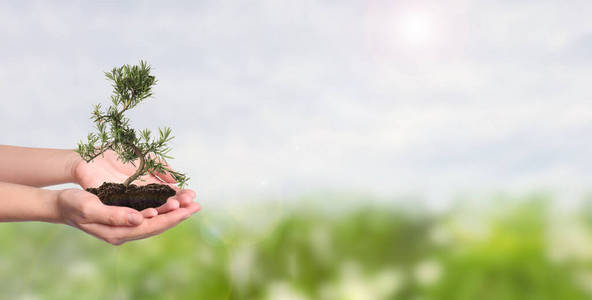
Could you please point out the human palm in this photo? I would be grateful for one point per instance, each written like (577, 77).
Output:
(116, 224)
(107, 168)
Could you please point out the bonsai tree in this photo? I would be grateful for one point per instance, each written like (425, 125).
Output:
(131, 86)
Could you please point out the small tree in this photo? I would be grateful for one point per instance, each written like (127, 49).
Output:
(131, 86)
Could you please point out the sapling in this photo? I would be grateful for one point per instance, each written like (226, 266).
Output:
(131, 86)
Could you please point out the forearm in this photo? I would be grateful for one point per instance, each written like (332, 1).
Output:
(36, 166)
(25, 203)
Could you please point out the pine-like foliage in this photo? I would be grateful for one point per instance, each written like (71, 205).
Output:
(131, 86)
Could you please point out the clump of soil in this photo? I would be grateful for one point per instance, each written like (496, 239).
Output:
(136, 197)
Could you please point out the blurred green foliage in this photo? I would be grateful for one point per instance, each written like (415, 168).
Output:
(509, 249)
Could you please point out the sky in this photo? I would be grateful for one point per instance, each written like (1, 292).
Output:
(281, 98)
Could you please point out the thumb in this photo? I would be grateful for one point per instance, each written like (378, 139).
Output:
(164, 176)
(115, 215)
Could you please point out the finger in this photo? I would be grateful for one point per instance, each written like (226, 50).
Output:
(153, 226)
(192, 192)
(149, 212)
(164, 176)
(161, 223)
(151, 178)
(112, 215)
(185, 197)
(170, 205)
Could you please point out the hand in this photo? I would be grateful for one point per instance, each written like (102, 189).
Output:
(114, 224)
(108, 168)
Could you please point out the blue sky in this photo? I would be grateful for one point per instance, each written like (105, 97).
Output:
(285, 97)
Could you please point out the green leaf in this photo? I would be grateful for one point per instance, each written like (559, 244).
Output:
(131, 85)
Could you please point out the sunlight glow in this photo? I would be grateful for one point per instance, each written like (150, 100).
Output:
(415, 28)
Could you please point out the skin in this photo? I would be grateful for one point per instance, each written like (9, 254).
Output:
(25, 170)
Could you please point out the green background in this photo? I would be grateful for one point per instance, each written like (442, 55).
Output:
(499, 248)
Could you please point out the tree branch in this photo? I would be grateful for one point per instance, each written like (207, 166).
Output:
(140, 169)
(100, 152)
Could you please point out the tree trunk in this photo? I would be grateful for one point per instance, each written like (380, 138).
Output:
(139, 170)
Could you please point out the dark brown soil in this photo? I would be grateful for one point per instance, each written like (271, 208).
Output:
(136, 197)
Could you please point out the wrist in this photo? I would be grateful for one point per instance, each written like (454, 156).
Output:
(73, 160)
(50, 212)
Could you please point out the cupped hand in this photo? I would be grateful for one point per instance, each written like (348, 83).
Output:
(115, 224)
(107, 168)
